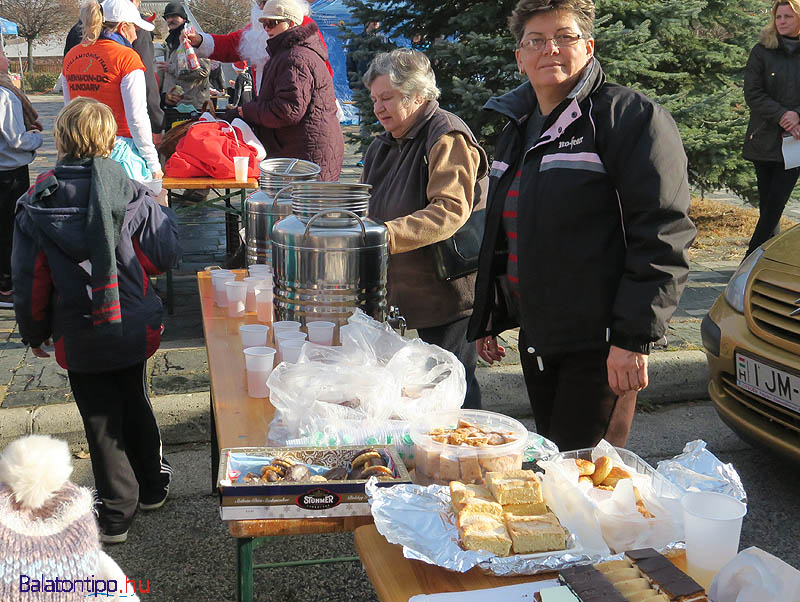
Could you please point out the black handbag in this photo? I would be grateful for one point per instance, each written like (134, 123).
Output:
(457, 256)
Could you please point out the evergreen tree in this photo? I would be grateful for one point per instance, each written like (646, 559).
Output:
(689, 55)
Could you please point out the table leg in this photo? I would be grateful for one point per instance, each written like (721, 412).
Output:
(231, 227)
(244, 566)
(214, 445)
(170, 289)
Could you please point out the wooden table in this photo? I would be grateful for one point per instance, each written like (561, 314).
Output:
(238, 420)
(396, 578)
(216, 200)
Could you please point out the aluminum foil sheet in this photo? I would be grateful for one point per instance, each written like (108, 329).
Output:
(697, 469)
(420, 519)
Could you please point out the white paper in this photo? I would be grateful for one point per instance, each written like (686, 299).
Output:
(522, 592)
(791, 152)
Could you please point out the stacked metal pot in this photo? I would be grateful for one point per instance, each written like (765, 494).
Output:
(268, 204)
(328, 257)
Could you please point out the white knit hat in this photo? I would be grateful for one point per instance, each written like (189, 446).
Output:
(47, 527)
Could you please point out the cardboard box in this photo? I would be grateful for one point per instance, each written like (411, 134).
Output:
(292, 499)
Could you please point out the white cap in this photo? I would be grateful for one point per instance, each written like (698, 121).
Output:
(124, 11)
(283, 10)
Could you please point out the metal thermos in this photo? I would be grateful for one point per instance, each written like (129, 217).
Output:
(328, 257)
(268, 205)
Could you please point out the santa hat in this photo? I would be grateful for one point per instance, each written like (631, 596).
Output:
(240, 66)
(47, 523)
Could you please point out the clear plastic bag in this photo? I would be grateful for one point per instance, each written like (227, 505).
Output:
(613, 514)
(365, 391)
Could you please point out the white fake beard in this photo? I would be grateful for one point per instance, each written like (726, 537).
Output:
(253, 44)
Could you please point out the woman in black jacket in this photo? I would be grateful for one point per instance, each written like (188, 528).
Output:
(772, 91)
(587, 233)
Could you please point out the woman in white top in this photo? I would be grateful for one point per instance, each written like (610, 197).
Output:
(105, 67)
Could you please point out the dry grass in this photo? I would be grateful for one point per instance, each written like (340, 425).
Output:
(723, 230)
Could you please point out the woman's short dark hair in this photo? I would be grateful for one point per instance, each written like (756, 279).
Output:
(582, 10)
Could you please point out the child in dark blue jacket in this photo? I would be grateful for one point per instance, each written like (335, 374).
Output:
(86, 240)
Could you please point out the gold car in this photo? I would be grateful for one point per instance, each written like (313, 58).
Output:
(752, 340)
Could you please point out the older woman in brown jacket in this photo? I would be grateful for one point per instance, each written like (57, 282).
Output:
(425, 169)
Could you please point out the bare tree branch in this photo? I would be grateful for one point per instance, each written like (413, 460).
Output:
(37, 19)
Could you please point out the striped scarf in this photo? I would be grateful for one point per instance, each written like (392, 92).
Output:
(108, 201)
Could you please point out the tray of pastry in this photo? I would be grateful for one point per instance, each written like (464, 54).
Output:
(503, 525)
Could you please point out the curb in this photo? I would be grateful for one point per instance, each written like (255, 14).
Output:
(182, 418)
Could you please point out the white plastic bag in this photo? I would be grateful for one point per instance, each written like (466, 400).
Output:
(365, 391)
(613, 514)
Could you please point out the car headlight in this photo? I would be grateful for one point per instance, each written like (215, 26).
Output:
(734, 292)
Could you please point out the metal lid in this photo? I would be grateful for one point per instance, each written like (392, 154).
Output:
(280, 172)
(310, 198)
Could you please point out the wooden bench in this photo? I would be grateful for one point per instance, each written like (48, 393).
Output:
(396, 579)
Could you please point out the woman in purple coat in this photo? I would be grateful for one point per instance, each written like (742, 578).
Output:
(295, 112)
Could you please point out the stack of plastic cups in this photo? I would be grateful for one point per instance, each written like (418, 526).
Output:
(253, 335)
(290, 349)
(286, 335)
(236, 291)
(259, 362)
(284, 325)
(252, 283)
(218, 280)
(320, 332)
(263, 270)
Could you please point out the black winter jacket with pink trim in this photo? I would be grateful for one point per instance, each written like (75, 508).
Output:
(52, 283)
(603, 228)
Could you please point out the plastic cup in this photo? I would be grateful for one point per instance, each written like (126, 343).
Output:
(236, 292)
(281, 336)
(255, 269)
(290, 350)
(258, 365)
(218, 280)
(320, 332)
(282, 325)
(263, 294)
(252, 283)
(253, 335)
(712, 523)
(240, 165)
(287, 335)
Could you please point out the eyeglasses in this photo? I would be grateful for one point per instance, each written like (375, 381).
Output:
(562, 40)
(273, 23)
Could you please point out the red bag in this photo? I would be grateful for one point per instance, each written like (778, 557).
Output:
(208, 149)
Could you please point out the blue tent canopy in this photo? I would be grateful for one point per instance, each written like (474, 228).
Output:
(328, 14)
(8, 27)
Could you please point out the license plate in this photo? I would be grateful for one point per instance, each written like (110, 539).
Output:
(766, 381)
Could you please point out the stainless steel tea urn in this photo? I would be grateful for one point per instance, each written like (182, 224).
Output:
(268, 205)
(328, 257)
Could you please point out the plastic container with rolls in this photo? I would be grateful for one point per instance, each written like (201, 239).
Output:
(463, 445)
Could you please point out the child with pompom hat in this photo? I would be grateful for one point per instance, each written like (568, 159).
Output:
(50, 544)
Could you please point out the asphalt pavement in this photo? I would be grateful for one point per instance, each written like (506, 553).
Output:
(184, 549)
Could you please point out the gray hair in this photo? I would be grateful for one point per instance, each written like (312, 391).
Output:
(409, 71)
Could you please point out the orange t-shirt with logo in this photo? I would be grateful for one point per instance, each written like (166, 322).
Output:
(96, 71)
